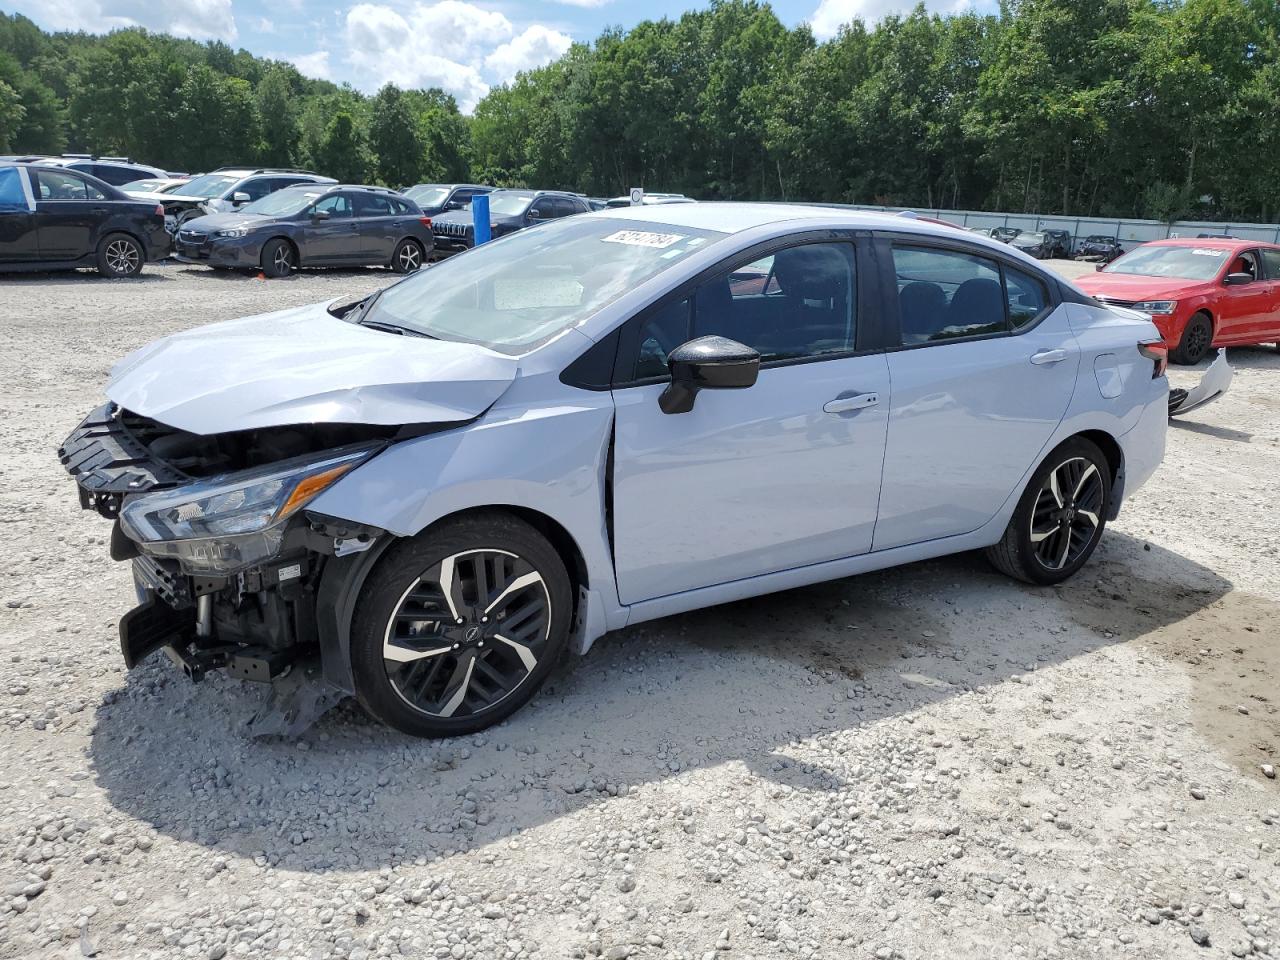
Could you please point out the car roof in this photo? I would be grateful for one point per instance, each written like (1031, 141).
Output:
(734, 217)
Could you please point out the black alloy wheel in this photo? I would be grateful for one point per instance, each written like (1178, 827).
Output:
(278, 258)
(407, 257)
(1060, 517)
(120, 255)
(457, 628)
(1196, 339)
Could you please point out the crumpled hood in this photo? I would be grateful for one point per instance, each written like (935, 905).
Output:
(306, 366)
(1134, 287)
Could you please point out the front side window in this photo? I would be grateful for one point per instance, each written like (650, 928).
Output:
(945, 294)
(661, 332)
(259, 187)
(803, 305)
(59, 185)
(522, 290)
(338, 205)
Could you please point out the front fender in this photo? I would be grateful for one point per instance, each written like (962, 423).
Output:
(548, 459)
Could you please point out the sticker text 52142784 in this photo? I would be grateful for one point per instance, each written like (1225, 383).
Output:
(642, 238)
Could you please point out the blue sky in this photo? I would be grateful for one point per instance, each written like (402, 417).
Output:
(463, 46)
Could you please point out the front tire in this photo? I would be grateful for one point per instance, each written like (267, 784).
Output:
(407, 257)
(1197, 337)
(1060, 517)
(120, 255)
(278, 258)
(457, 628)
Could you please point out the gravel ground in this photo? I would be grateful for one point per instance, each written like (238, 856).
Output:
(930, 761)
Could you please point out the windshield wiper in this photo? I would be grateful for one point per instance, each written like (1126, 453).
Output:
(394, 328)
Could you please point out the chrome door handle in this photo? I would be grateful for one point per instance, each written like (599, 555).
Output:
(857, 401)
(1048, 356)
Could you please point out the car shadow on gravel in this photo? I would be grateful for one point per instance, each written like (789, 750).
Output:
(736, 684)
(250, 273)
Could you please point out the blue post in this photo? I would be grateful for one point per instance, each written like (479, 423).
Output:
(480, 217)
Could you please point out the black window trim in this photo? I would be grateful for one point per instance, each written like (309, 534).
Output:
(885, 243)
(868, 334)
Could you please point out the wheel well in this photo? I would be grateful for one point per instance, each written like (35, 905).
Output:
(1110, 449)
(556, 535)
(297, 255)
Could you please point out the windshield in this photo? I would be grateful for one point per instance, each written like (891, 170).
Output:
(282, 203)
(508, 204)
(522, 290)
(144, 186)
(210, 185)
(425, 195)
(1031, 237)
(1182, 263)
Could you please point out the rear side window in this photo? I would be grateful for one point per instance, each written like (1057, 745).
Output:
(402, 208)
(59, 185)
(373, 205)
(11, 195)
(1027, 297)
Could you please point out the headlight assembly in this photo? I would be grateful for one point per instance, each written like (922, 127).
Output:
(1161, 307)
(227, 523)
(233, 232)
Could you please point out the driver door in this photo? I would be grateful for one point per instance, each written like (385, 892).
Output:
(335, 240)
(782, 474)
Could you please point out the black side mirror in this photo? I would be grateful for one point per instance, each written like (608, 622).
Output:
(1238, 279)
(707, 363)
(320, 214)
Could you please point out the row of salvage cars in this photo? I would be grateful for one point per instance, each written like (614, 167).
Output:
(437, 491)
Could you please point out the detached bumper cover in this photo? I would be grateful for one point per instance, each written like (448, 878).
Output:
(1212, 385)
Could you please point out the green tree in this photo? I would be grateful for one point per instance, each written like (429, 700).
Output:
(275, 105)
(342, 152)
(394, 139)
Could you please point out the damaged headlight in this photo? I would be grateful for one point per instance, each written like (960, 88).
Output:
(226, 523)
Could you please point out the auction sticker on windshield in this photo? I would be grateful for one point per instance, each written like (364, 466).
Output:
(1200, 252)
(641, 238)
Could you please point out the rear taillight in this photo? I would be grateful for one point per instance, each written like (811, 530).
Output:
(426, 222)
(159, 210)
(1158, 354)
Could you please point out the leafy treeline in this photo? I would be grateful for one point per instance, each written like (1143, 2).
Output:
(1158, 108)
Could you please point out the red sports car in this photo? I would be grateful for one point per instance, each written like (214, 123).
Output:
(1200, 293)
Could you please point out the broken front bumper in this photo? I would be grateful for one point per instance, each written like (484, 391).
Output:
(1212, 385)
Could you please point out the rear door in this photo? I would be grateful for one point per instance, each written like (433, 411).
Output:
(985, 370)
(1269, 327)
(379, 227)
(69, 211)
(17, 218)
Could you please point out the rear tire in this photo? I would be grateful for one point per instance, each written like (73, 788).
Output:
(120, 255)
(408, 257)
(1060, 517)
(474, 614)
(1196, 339)
(278, 258)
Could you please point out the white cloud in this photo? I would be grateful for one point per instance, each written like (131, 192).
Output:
(536, 46)
(831, 15)
(584, 3)
(314, 65)
(450, 44)
(197, 19)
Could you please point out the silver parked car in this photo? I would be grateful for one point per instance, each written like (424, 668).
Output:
(444, 486)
